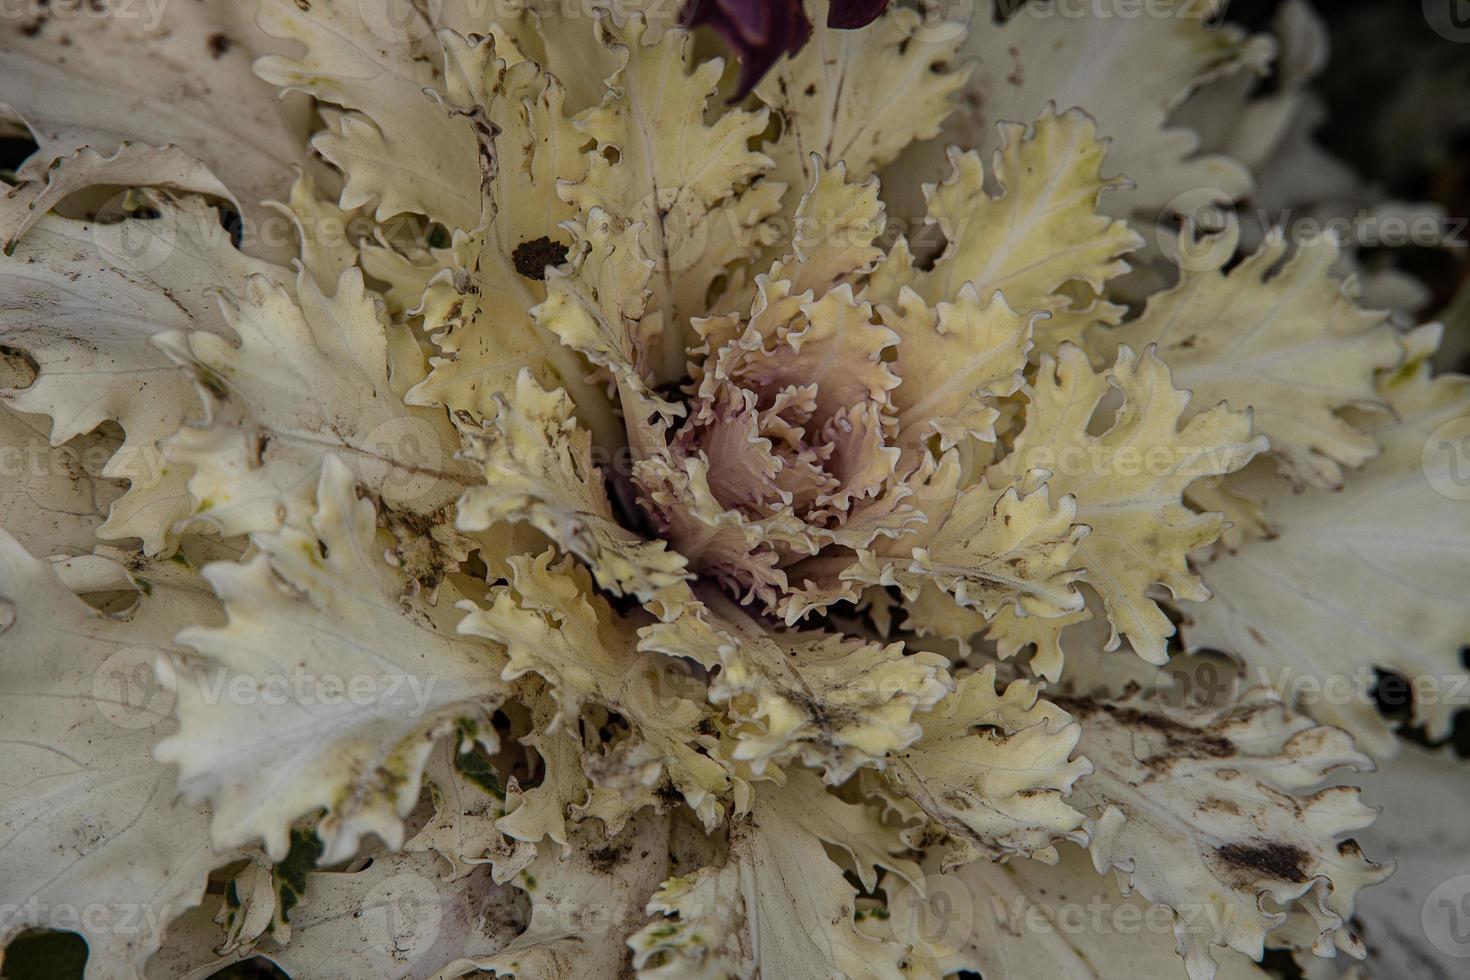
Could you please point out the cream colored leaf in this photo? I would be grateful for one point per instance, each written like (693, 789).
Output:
(89, 821)
(1424, 795)
(1013, 634)
(836, 703)
(583, 905)
(310, 377)
(738, 236)
(834, 231)
(1129, 481)
(132, 165)
(1025, 920)
(53, 498)
(1283, 337)
(933, 612)
(1127, 72)
(861, 97)
(958, 358)
(538, 469)
(542, 810)
(400, 150)
(327, 237)
(1246, 513)
(702, 935)
(564, 41)
(1211, 814)
(86, 300)
(191, 947)
(253, 904)
(987, 548)
(1041, 233)
(467, 800)
(991, 770)
(1331, 595)
(79, 82)
(552, 623)
(778, 907)
(1272, 129)
(478, 306)
(328, 686)
(597, 306)
(400, 916)
(672, 168)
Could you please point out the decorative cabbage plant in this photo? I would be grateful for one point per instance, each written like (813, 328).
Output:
(480, 501)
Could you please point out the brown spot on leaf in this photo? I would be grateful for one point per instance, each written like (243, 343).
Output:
(605, 859)
(1269, 858)
(531, 258)
(1216, 804)
(1184, 741)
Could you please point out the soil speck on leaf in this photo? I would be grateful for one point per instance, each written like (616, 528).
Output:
(531, 258)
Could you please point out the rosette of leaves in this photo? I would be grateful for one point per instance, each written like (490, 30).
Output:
(570, 531)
